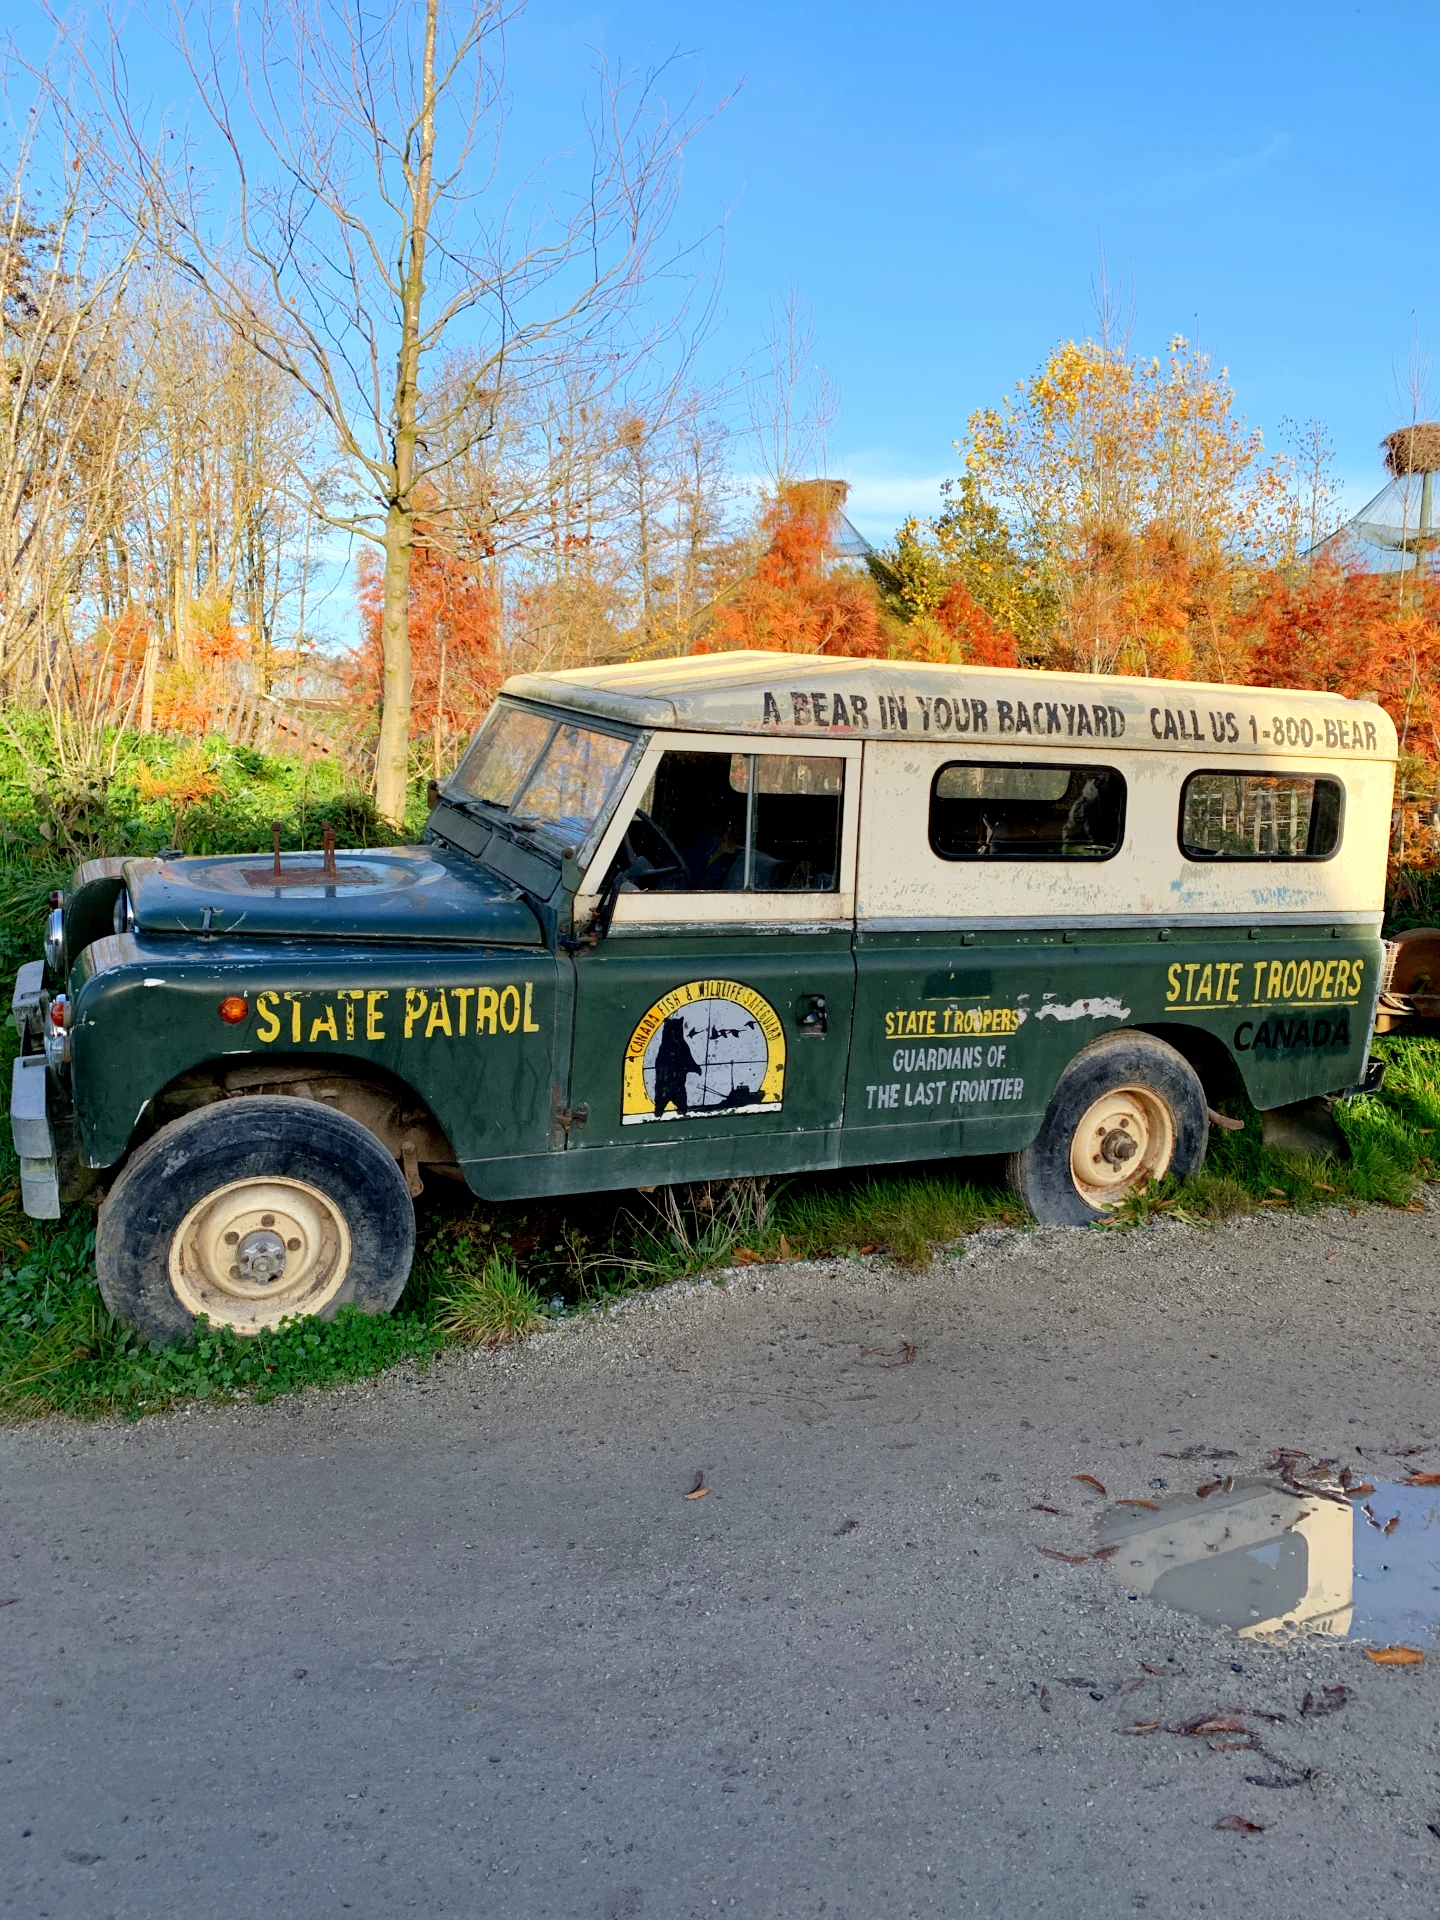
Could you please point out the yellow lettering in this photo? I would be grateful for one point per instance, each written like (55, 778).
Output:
(1287, 982)
(889, 1026)
(1233, 989)
(487, 1003)
(1192, 967)
(350, 995)
(324, 1023)
(416, 1001)
(1259, 966)
(509, 1008)
(1327, 985)
(269, 1021)
(439, 1015)
(1272, 985)
(462, 994)
(1173, 993)
(294, 999)
(530, 1026)
(1206, 989)
(1357, 974)
(375, 1013)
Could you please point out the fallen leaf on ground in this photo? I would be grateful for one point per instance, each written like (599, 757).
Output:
(1153, 1505)
(1423, 1480)
(1044, 1699)
(1274, 1203)
(747, 1257)
(1165, 1673)
(1395, 1656)
(1141, 1726)
(873, 1248)
(1334, 1699)
(784, 1248)
(1391, 1524)
(1359, 1489)
(1237, 1823)
(699, 1490)
(1070, 1559)
(1210, 1723)
(1127, 1686)
(846, 1526)
(1104, 1553)
(1059, 1512)
(1248, 1745)
(1280, 1190)
(13, 1601)
(1089, 1480)
(1210, 1486)
(1300, 1779)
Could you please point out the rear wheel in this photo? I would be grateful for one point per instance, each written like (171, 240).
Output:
(1128, 1109)
(251, 1212)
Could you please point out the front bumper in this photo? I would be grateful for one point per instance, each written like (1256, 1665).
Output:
(30, 1126)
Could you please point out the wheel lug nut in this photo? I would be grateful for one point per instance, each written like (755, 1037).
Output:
(232, 1239)
(293, 1245)
(267, 1219)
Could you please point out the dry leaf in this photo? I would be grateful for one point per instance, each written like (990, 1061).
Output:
(1210, 1486)
(1070, 1559)
(1395, 1656)
(872, 1248)
(1335, 1698)
(784, 1248)
(1165, 1673)
(1248, 1745)
(1060, 1514)
(747, 1257)
(1228, 1484)
(1153, 1505)
(1104, 1553)
(1359, 1489)
(1141, 1726)
(1128, 1686)
(1237, 1823)
(1211, 1723)
(1414, 1479)
(846, 1526)
(1089, 1480)
(1044, 1699)
(699, 1490)
(1390, 1525)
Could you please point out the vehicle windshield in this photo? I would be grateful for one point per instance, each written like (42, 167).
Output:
(542, 772)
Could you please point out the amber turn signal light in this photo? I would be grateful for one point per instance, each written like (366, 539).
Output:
(233, 1009)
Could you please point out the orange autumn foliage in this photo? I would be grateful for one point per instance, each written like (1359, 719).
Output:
(454, 627)
(1352, 633)
(795, 601)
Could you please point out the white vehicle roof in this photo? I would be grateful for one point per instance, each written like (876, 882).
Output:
(806, 695)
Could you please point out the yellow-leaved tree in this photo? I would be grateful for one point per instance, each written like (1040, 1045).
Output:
(1141, 501)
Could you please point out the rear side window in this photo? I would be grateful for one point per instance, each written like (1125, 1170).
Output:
(1260, 816)
(990, 810)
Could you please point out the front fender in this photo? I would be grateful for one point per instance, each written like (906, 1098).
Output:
(472, 1030)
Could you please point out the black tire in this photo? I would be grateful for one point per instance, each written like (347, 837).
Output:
(1146, 1078)
(329, 1191)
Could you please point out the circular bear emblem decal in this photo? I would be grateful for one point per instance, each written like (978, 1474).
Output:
(711, 1046)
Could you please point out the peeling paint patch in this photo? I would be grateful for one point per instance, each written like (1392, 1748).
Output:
(1106, 1009)
(152, 983)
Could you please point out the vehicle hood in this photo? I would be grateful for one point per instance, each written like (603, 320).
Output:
(389, 893)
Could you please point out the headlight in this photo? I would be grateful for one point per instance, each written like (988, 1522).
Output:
(124, 919)
(57, 1033)
(55, 942)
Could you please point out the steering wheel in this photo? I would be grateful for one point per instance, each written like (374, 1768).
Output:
(630, 855)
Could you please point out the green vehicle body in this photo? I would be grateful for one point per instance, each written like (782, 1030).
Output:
(468, 981)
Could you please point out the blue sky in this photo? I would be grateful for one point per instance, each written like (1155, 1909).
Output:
(938, 181)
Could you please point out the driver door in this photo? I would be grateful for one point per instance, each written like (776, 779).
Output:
(712, 1019)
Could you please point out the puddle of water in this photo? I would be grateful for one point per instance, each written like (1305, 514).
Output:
(1265, 1560)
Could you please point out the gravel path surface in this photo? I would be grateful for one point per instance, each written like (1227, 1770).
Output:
(455, 1643)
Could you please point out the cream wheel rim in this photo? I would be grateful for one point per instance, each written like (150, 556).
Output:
(254, 1252)
(1124, 1140)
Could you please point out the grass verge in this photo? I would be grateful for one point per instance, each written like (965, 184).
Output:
(484, 1275)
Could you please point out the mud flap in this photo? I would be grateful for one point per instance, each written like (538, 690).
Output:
(1306, 1126)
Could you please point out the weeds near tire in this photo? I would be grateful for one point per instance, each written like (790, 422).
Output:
(488, 1308)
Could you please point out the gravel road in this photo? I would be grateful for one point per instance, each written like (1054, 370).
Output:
(455, 1642)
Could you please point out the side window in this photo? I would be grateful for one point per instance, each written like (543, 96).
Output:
(736, 823)
(1260, 816)
(990, 810)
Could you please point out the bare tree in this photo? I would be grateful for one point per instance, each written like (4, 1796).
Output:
(358, 223)
(792, 402)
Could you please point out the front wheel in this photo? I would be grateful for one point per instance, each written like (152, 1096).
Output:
(250, 1212)
(1128, 1109)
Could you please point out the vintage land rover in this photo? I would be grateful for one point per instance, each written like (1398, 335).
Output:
(704, 918)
